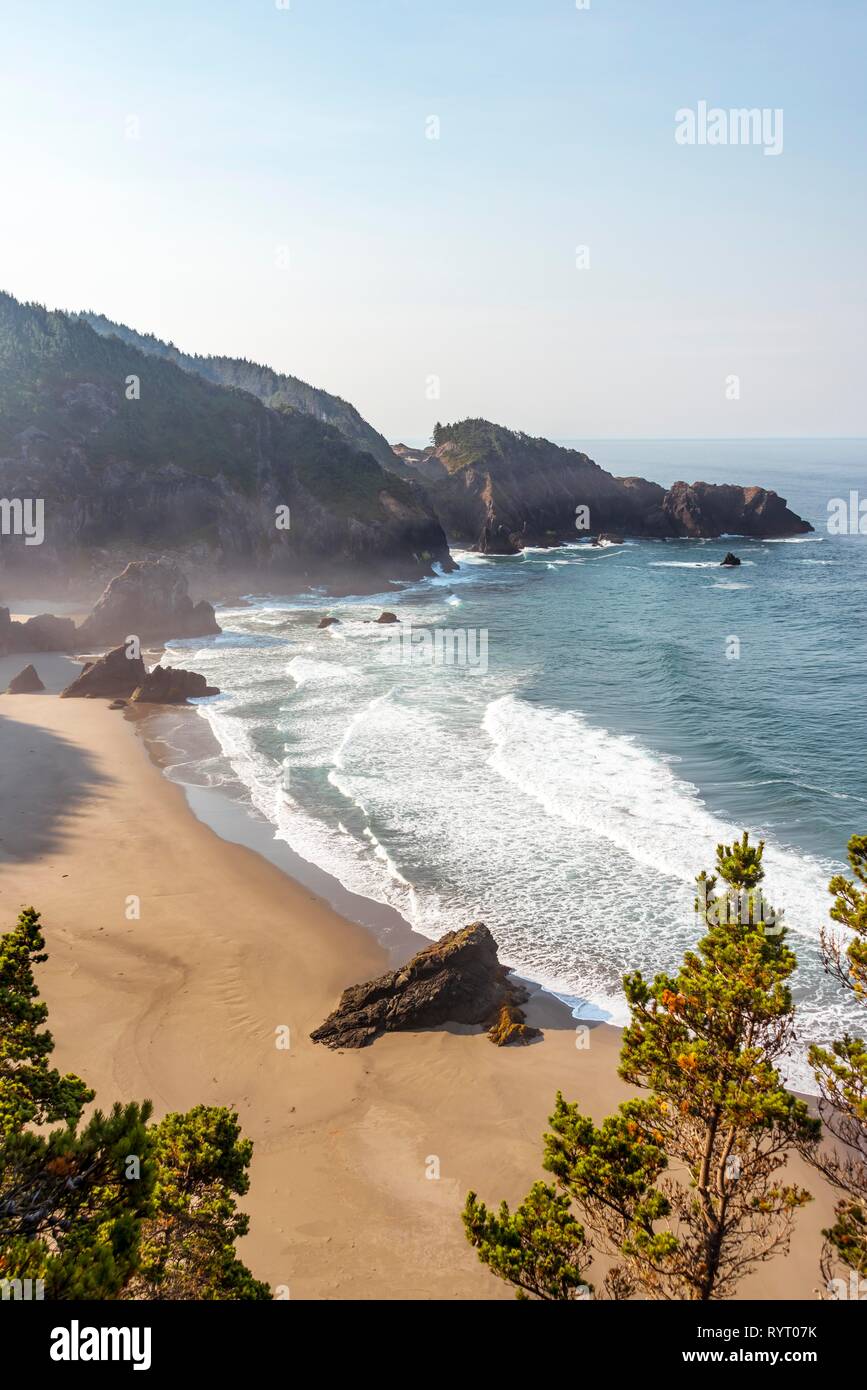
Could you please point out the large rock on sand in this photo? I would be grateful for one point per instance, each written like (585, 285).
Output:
(169, 685)
(149, 599)
(27, 682)
(456, 980)
(117, 676)
(111, 677)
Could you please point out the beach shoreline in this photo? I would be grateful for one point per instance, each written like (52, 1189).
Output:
(362, 1160)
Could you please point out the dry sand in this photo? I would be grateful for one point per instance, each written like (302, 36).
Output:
(183, 1006)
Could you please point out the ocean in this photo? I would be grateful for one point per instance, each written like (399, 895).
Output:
(620, 712)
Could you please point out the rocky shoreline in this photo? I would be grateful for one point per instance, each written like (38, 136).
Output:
(500, 491)
(273, 484)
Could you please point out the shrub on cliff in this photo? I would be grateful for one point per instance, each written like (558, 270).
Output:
(704, 1044)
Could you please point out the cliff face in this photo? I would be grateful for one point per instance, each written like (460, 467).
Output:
(272, 388)
(499, 491)
(133, 455)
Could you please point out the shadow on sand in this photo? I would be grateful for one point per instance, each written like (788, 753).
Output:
(44, 779)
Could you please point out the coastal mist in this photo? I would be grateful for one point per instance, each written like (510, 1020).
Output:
(608, 716)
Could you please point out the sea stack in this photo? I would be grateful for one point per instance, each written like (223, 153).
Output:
(151, 599)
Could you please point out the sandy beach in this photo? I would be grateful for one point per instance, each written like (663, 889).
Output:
(184, 1005)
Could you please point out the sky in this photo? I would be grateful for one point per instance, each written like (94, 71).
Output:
(388, 199)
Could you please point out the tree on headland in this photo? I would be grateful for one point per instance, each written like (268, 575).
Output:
(841, 1072)
(683, 1187)
(114, 1207)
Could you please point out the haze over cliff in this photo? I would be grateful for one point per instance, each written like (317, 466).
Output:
(132, 454)
(250, 477)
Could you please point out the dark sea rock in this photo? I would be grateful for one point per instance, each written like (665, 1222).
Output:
(149, 599)
(730, 560)
(327, 622)
(456, 980)
(114, 677)
(718, 509)
(388, 618)
(170, 685)
(497, 540)
(27, 682)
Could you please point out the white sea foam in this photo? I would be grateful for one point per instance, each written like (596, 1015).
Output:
(692, 564)
(578, 846)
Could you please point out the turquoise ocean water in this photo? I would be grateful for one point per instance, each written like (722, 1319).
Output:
(568, 794)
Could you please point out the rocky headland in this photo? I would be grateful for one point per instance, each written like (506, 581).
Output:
(499, 491)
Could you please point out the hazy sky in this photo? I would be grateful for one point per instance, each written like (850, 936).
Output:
(255, 180)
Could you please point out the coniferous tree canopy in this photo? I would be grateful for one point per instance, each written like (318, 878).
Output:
(113, 1207)
(187, 1248)
(841, 1071)
(703, 1044)
(69, 1215)
(538, 1247)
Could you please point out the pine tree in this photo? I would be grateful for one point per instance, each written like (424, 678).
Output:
(115, 1207)
(30, 1092)
(703, 1044)
(538, 1247)
(71, 1201)
(188, 1243)
(841, 1072)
